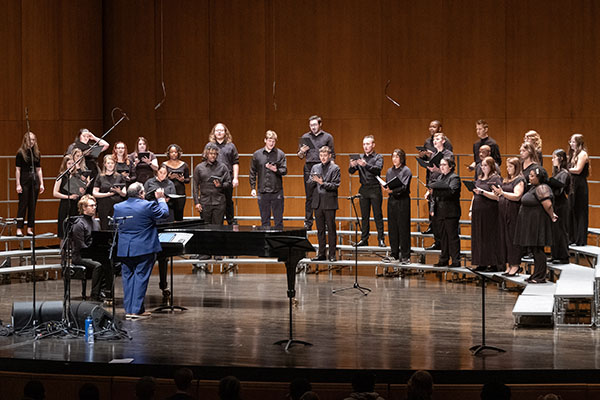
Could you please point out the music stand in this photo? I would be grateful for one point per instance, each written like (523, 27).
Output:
(364, 290)
(170, 307)
(475, 350)
(290, 249)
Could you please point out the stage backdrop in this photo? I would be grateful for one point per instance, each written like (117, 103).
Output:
(270, 64)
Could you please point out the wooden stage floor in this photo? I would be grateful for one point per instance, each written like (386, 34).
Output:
(233, 320)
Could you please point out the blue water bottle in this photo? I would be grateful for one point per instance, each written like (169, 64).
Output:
(89, 330)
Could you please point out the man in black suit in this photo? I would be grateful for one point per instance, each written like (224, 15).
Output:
(326, 177)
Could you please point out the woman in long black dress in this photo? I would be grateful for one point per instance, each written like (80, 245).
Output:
(68, 202)
(108, 190)
(179, 173)
(398, 208)
(143, 166)
(529, 159)
(578, 199)
(509, 194)
(484, 219)
(534, 222)
(560, 185)
(29, 185)
(122, 163)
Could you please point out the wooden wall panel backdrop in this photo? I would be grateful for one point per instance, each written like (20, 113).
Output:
(10, 70)
(586, 69)
(237, 66)
(412, 59)
(80, 60)
(540, 59)
(186, 60)
(40, 59)
(129, 69)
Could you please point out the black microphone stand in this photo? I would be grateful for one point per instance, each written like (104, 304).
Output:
(33, 319)
(114, 327)
(364, 290)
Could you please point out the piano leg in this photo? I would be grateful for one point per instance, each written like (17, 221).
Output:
(170, 307)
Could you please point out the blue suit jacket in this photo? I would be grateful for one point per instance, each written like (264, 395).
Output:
(138, 235)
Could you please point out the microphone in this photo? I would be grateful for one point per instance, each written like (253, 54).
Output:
(125, 115)
(356, 196)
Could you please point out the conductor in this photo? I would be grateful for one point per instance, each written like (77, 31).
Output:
(138, 245)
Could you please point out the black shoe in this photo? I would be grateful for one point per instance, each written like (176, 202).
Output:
(363, 242)
(308, 226)
(481, 268)
(434, 246)
(332, 259)
(440, 265)
(381, 243)
(455, 265)
(318, 258)
(428, 231)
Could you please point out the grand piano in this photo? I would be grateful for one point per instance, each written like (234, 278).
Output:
(288, 245)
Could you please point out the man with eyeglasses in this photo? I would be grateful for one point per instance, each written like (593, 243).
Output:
(82, 239)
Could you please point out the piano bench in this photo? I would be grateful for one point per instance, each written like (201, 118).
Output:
(79, 272)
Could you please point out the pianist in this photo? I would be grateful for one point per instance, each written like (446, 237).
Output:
(82, 239)
(138, 245)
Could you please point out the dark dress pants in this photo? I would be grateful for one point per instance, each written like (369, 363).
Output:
(213, 214)
(98, 275)
(371, 197)
(399, 226)
(449, 239)
(326, 222)
(135, 272)
(309, 188)
(27, 204)
(229, 208)
(271, 203)
(178, 208)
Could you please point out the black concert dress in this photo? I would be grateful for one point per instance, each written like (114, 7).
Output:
(579, 202)
(484, 225)
(508, 210)
(106, 204)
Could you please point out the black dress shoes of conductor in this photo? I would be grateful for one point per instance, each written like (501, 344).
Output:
(318, 258)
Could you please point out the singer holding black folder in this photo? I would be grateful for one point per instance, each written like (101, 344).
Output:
(445, 210)
(211, 178)
(309, 146)
(109, 189)
(326, 177)
(397, 186)
(138, 245)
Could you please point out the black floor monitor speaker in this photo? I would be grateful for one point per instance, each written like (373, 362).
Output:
(52, 311)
